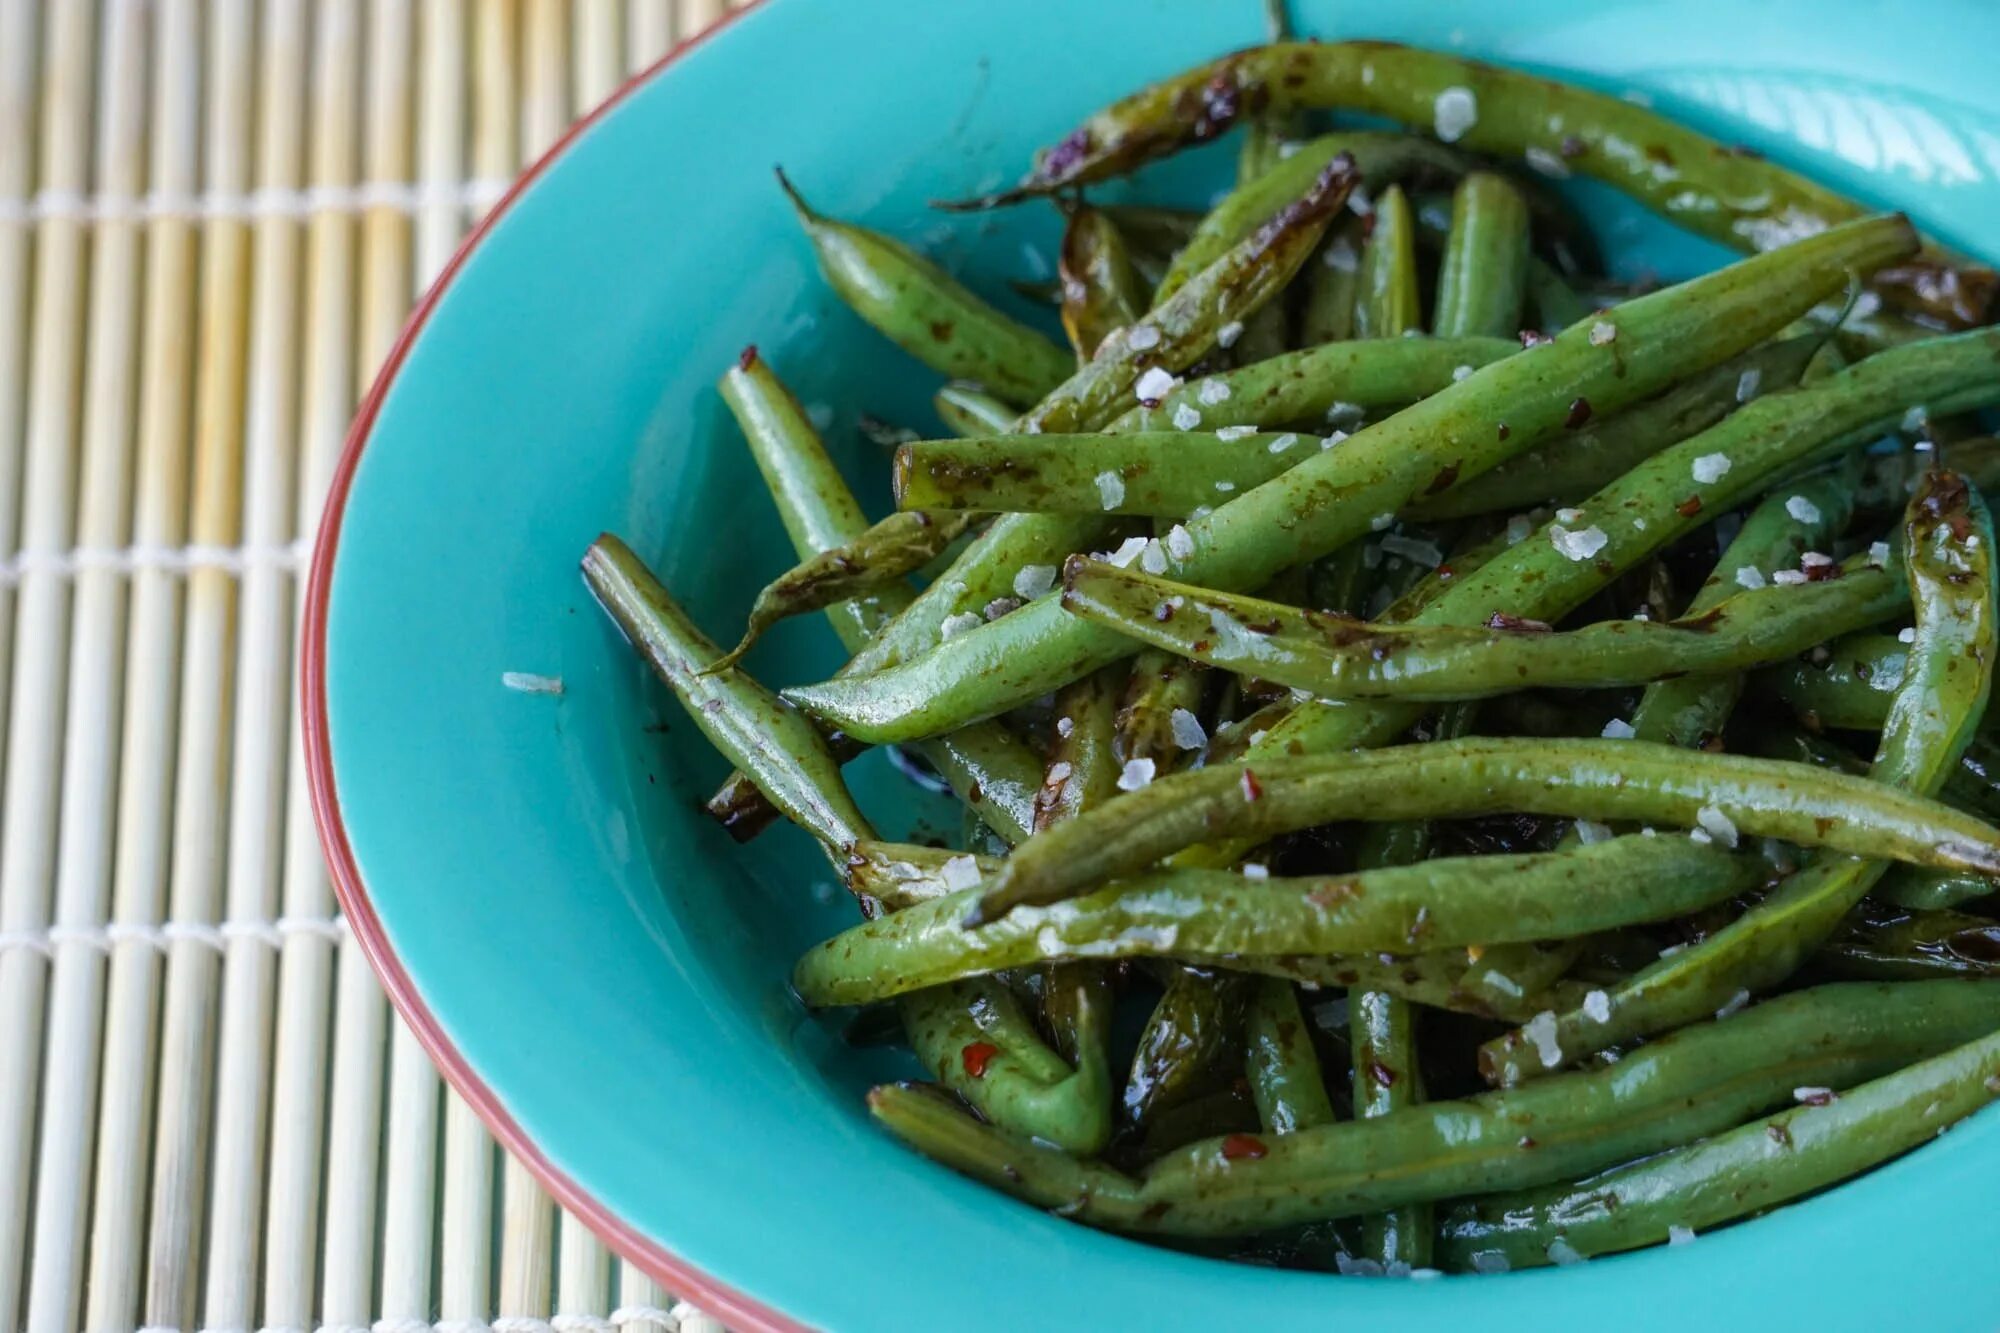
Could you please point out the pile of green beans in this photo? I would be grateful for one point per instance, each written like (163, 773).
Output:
(1513, 762)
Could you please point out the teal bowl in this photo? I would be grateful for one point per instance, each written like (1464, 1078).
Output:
(591, 961)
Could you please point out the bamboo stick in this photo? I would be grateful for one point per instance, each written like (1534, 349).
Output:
(187, 1029)
(441, 160)
(596, 51)
(495, 94)
(545, 109)
(41, 624)
(649, 31)
(583, 1274)
(18, 69)
(152, 680)
(696, 15)
(527, 1235)
(238, 1176)
(96, 661)
(637, 1293)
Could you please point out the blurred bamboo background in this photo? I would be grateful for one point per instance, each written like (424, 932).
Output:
(214, 217)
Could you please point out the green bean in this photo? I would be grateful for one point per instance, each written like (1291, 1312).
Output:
(1337, 658)
(1332, 497)
(1387, 1079)
(1933, 890)
(1338, 381)
(969, 412)
(1192, 1041)
(1752, 1168)
(900, 874)
(759, 732)
(1101, 291)
(1602, 780)
(983, 764)
(1915, 945)
(1183, 326)
(1159, 718)
(1556, 304)
(1149, 229)
(1937, 708)
(1851, 688)
(1517, 973)
(1670, 1092)
(1264, 138)
(1447, 903)
(1326, 313)
(1440, 979)
(1737, 198)
(882, 557)
(1571, 467)
(1166, 474)
(1890, 479)
(1283, 1067)
(1692, 710)
(1484, 271)
(975, 1038)
(927, 312)
(1766, 438)
(1386, 301)
(1083, 764)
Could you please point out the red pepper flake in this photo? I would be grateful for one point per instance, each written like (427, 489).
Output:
(1689, 507)
(1534, 338)
(1163, 612)
(975, 1056)
(1579, 412)
(1251, 790)
(1382, 1074)
(1818, 1097)
(1822, 573)
(1505, 430)
(1526, 1142)
(747, 357)
(1445, 574)
(1239, 1146)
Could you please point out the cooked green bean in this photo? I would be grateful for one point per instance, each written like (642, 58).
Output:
(1164, 474)
(1159, 719)
(969, 412)
(1484, 270)
(1264, 137)
(882, 557)
(1326, 312)
(1933, 890)
(1938, 706)
(1283, 1068)
(1192, 1042)
(1739, 199)
(927, 312)
(1386, 300)
(1699, 1082)
(760, 733)
(1604, 780)
(1567, 469)
(1557, 305)
(1387, 1079)
(900, 874)
(1083, 764)
(1338, 381)
(1447, 903)
(1334, 496)
(1915, 945)
(1851, 688)
(1101, 291)
(1440, 979)
(975, 1038)
(1747, 1170)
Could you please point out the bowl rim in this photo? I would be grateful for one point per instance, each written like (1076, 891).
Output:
(683, 1279)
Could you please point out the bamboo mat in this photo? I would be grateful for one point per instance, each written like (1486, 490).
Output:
(214, 215)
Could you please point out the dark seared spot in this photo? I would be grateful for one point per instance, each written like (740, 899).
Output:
(1445, 478)
(747, 357)
(1579, 413)
(1504, 430)
(1689, 507)
(1501, 620)
(1572, 146)
(941, 330)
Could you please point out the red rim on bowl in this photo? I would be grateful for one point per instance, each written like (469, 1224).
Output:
(681, 1277)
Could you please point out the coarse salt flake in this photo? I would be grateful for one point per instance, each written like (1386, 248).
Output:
(1748, 383)
(1460, 373)
(1187, 729)
(1547, 163)
(1815, 560)
(1155, 384)
(1878, 553)
(1700, 835)
(1252, 870)
(1812, 1096)
(1143, 337)
(952, 626)
(1179, 542)
(1541, 1030)
(1907, 634)
(1186, 417)
(1710, 468)
(1453, 113)
(1283, 442)
(1110, 489)
(1518, 528)
(1333, 439)
(1916, 419)
(1136, 774)
(1152, 558)
(1749, 576)
(1341, 256)
(1735, 1006)
(1225, 486)
(1064, 726)
(1212, 392)
(1226, 336)
(527, 682)
(1344, 412)
(1579, 545)
(1128, 551)
(1235, 432)
(1563, 1254)
(1602, 332)
(1680, 1235)
(1589, 831)
(1380, 522)
(960, 872)
(1802, 509)
(1031, 581)
(1719, 826)
(1788, 576)
(1618, 729)
(1597, 1007)
(1568, 515)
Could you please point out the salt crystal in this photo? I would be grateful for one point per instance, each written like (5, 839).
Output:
(1212, 392)
(1110, 489)
(1344, 412)
(1453, 113)
(1137, 773)
(1459, 373)
(1812, 1096)
(1152, 559)
(1541, 1030)
(1547, 163)
(1802, 509)
(1568, 515)
(1916, 420)
(1128, 551)
(1748, 383)
(1602, 332)
(1579, 545)
(1815, 560)
(1225, 486)
(953, 626)
(1180, 543)
(1341, 256)
(1680, 1235)
(1788, 576)
(1155, 384)
(1235, 432)
(1251, 870)
(1878, 553)
(960, 872)
(1749, 576)
(1283, 442)
(1226, 336)
(1333, 439)
(1143, 337)
(1064, 726)
(1700, 835)
(1907, 634)
(1597, 1007)
(1589, 832)
(1618, 729)
(1031, 581)
(1563, 1254)
(1710, 468)
(1518, 528)
(1735, 1005)
(1186, 417)
(1187, 729)
(1719, 826)
(1380, 522)
(1490, 1261)
(527, 682)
